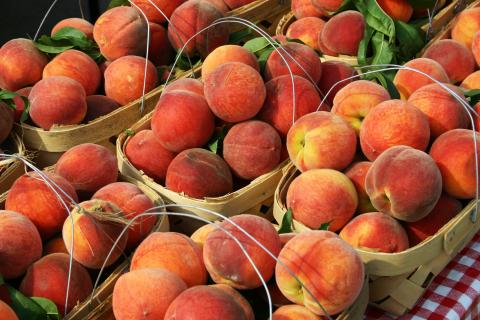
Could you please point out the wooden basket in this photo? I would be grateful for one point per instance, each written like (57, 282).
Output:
(398, 280)
(11, 169)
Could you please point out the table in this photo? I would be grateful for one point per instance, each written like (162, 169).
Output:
(454, 294)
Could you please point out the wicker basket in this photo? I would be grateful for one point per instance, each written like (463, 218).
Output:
(11, 169)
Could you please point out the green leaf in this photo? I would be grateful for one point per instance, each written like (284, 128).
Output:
(325, 226)
(346, 5)
(129, 132)
(473, 96)
(376, 18)
(387, 83)
(419, 4)
(25, 308)
(216, 142)
(409, 41)
(7, 97)
(240, 35)
(262, 59)
(364, 45)
(287, 222)
(76, 37)
(382, 49)
(26, 109)
(49, 307)
(257, 44)
(118, 3)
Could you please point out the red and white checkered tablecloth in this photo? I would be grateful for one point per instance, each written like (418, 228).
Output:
(454, 294)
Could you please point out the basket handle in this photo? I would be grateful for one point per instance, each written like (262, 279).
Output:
(455, 239)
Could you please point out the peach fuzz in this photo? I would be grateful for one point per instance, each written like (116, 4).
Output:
(226, 262)
(329, 267)
(145, 293)
(75, 65)
(294, 312)
(182, 120)
(472, 81)
(307, 30)
(443, 110)
(278, 109)
(48, 277)
(377, 232)
(354, 101)
(204, 303)
(20, 244)
(132, 201)
(476, 47)
(186, 84)
(302, 60)
(343, 32)
(404, 183)
(190, 18)
(99, 105)
(455, 58)
(33, 198)
(305, 8)
(225, 54)
(466, 24)
(321, 140)
(333, 72)
(320, 196)
(174, 252)
(408, 81)
(121, 31)
(88, 167)
(145, 153)
(124, 79)
(393, 123)
(7, 313)
(57, 100)
(445, 209)
(397, 9)
(19, 104)
(454, 153)
(55, 245)
(235, 91)
(76, 23)
(96, 227)
(6, 121)
(252, 148)
(160, 51)
(357, 173)
(247, 308)
(152, 12)
(200, 235)
(21, 64)
(327, 5)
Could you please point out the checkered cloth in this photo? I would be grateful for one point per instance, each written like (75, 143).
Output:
(454, 294)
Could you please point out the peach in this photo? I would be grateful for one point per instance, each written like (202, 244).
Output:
(20, 244)
(95, 226)
(476, 48)
(6, 121)
(186, 84)
(327, 5)
(321, 140)
(476, 120)
(199, 173)
(326, 265)
(76, 23)
(445, 209)
(225, 54)
(377, 232)
(247, 308)
(443, 110)
(57, 100)
(31, 196)
(182, 120)
(220, 4)
(48, 278)
(160, 51)
(152, 12)
(7, 313)
(55, 245)
(174, 252)
(472, 81)
(454, 153)
(121, 31)
(343, 32)
(125, 78)
(190, 18)
(408, 81)
(302, 60)
(321, 196)
(226, 262)
(75, 65)
(307, 30)
(305, 8)
(99, 105)
(204, 303)
(234, 4)
(252, 148)
(466, 24)
(397, 9)
(19, 104)
(200, 235)
(294, 312)
(132, 201)
(448, 53)
(278, 109)
(146, 154)
(145, 293)
(357, 173)
(333, 73)
(393, 123)
(88, 167)
(21, 64)
(355, 100)
(405, 183)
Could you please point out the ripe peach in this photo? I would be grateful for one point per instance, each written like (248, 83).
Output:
(466, 24)
(476, 48)
(57, 100)
(160, 51)
(48, 278)
(330, 268)
(174, 252)
(31, 196)
(227, 263)
(152, 290)
(333, 72)
(307, 30)
(393, 123)
(20, 244)
(220, 4)
(99, 105)
(19, 104)
(76, 23)
(357, 173)
(408, 81)
(95, 227)
(21, 64)
(294, 312)
(454, 153)
(472, 81)
(200, 235)
(321, 140)
(6, 121)
(247, 308)
(327, 5)
(186, 84)
(305, 8)
(228, 53)
(7, 313)
(88, 167)
(152, 12)
(405, 183)
(55, 245)
(397, 9)
(343, 32)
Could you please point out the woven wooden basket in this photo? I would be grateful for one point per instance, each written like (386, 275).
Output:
(11, 169)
